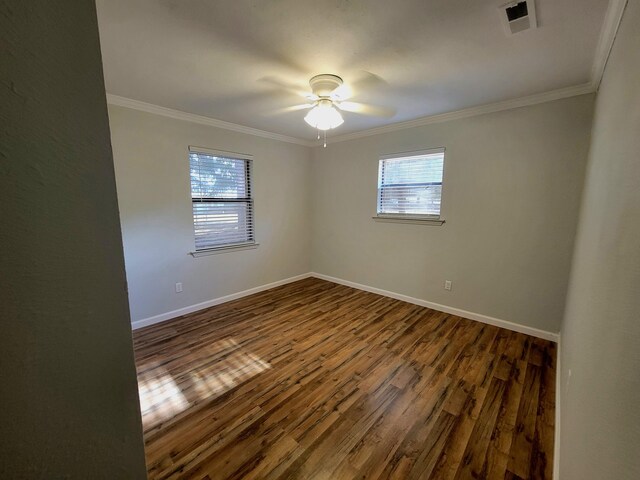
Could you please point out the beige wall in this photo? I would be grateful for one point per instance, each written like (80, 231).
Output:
(512, 188)
(600, 429)
(152, 173)
(69, 398)
(513, 181)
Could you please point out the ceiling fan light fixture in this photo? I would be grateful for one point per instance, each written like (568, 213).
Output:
(324, 116)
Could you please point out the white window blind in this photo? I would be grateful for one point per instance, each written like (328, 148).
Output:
(410, 185)
(221, 199)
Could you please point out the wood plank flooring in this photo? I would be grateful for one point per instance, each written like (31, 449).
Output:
(314, 380)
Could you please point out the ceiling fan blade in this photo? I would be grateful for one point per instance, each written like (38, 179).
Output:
(293, 108)
(289, 87)
(343, 92)
(367, 81)
(363, 82)
(366, 109)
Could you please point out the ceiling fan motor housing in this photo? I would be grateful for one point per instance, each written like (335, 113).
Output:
(323, 85)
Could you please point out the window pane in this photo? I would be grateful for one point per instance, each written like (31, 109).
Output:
(411, 185)
(411, 200)
(223, 223)
(222, 206)
(217, 177)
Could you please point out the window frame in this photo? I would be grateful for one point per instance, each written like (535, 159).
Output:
(249, 201)
(411, 218)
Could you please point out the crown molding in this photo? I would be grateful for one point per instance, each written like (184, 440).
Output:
(439, 118)
(612, 20)
(573, 91)
(190, 117)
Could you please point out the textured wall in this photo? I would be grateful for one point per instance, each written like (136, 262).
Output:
(511, 195)
(600, 430)
(152, 172)
(67, 378)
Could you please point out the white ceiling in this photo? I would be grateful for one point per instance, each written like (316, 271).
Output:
(216, 57)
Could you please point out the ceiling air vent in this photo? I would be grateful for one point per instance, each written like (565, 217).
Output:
(518, 16)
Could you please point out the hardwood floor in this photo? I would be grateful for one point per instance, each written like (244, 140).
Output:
(314, 380)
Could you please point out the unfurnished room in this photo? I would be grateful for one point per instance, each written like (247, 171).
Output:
(337, 240)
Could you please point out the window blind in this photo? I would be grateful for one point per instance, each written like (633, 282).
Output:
(410, 185)
(221, 200)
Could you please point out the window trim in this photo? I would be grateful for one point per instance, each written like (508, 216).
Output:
(220, 153)
(226, 249)
(417, 219)
(231, 247)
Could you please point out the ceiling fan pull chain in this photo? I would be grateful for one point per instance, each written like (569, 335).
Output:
(318, 134)
(325, 139)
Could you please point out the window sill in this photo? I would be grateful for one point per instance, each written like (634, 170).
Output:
(411, 220)
(226, 249)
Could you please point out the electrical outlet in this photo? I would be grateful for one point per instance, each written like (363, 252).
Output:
(178, 287)
(447, 284)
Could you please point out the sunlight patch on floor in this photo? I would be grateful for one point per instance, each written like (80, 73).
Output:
(222, 366)
(160, 398)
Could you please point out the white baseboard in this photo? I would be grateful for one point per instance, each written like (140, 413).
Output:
(398, 296)
(556, 432)
(163, 317)
(534, 332)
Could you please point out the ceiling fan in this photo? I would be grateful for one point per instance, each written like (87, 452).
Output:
(327, 98)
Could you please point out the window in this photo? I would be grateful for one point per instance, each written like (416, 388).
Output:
(221, 199)
(410, 185)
